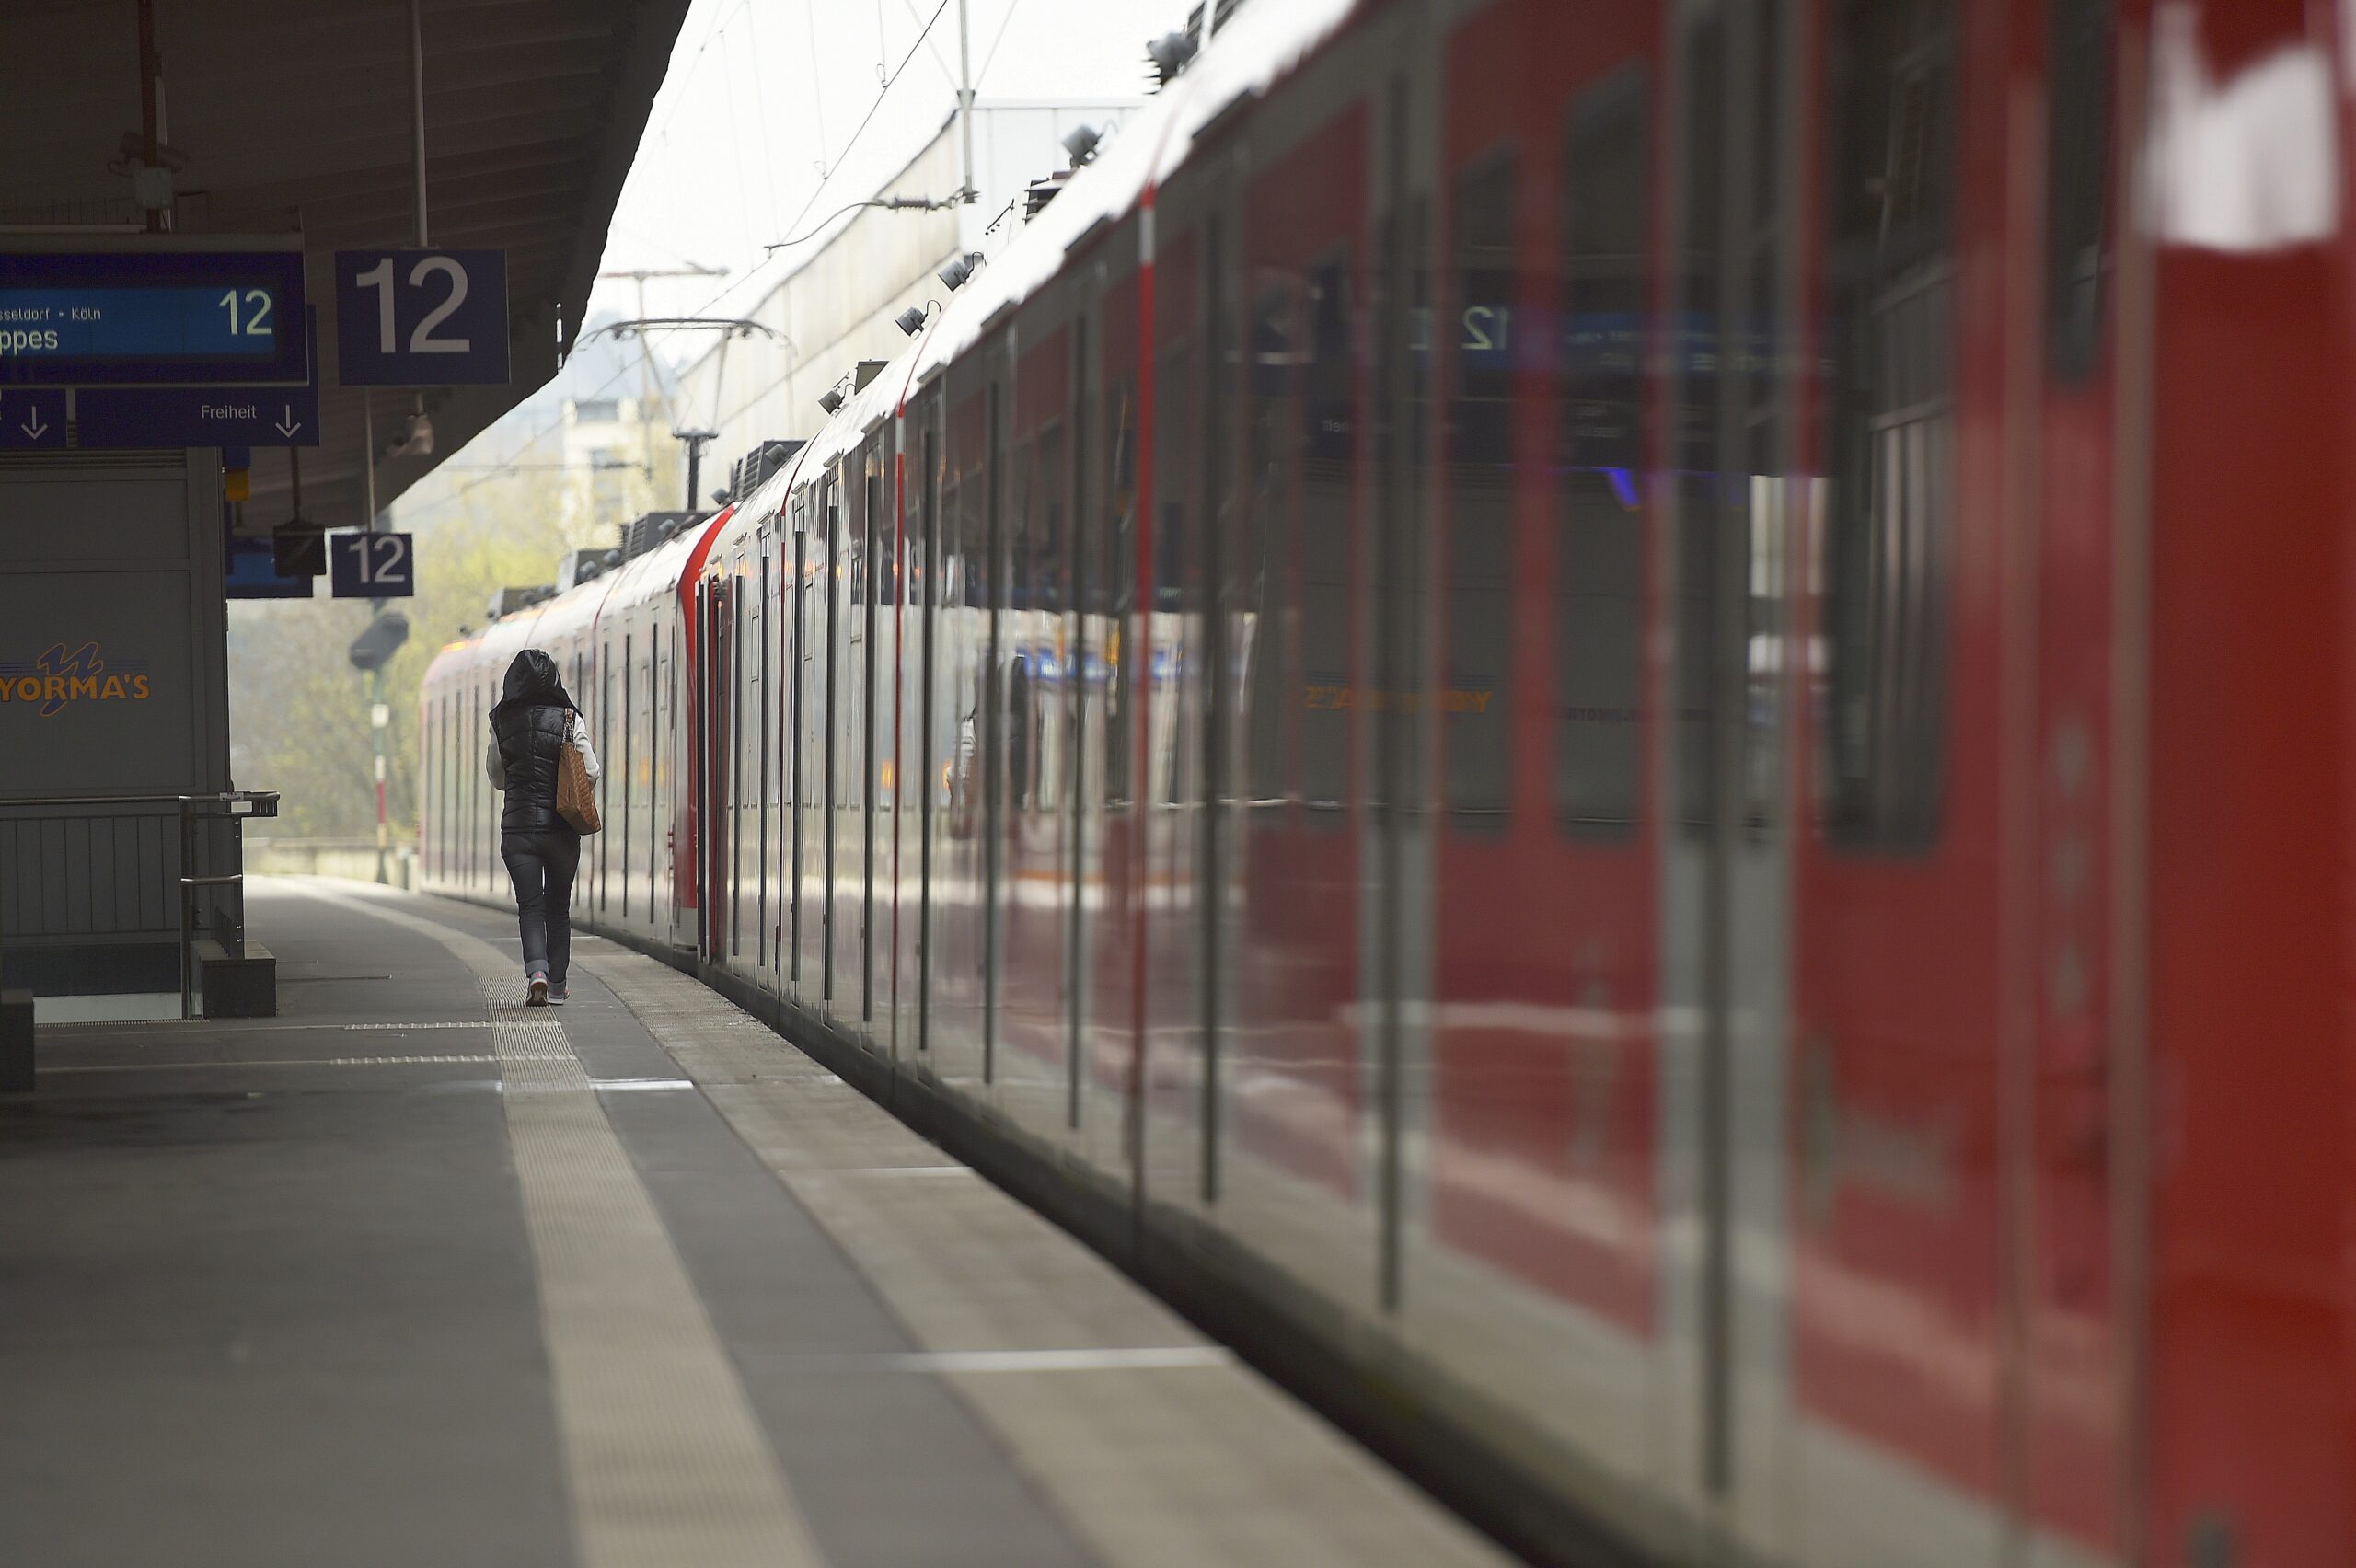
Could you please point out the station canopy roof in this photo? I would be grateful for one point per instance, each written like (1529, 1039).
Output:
(286, 115)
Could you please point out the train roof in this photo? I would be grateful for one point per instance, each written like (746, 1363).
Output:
(1261, 45)
(653, 575)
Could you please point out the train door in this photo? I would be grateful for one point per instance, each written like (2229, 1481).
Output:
(765, 673)
(1080, 635)
(1291, 1073)
(1110, 1037)
(716, 755)
(1904, 953)
(666, 795)
(738, 764)
(833, 657)
(687, 851)
(917, 507)
(1543, 1192)
(1170, 1112)
(1725, 793)
(2069, 1455)
(1034, 994)
(986, 499)
(801, 918)
(898, 777)
(864, 750)
(954, 949)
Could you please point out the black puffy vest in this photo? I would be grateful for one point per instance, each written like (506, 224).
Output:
(531, 742)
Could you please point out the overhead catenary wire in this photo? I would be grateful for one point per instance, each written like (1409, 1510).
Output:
(946, 74)
(869, 118)
(817, 86)
(759, 109)
(923, 33)
(996, 39)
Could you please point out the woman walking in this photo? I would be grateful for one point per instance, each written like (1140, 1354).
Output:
(532, 724)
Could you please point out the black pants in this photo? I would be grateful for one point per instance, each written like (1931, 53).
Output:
(542, 864)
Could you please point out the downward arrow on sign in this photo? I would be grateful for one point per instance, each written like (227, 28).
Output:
(287, 423)
(34, 427)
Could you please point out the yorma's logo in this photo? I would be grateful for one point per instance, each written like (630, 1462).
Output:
(58, 677)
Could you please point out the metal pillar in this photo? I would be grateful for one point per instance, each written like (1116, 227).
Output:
(416, 113)
(965, 98)
(379, 715)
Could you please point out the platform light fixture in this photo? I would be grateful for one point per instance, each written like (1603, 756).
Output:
(1080, 142)
(1169, 55)
(832, 400)
(910, 321)
(960, 272)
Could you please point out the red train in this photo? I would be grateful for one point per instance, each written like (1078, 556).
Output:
(1638, 713)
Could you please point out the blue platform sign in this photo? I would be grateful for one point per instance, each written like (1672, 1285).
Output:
(200, 416)
(420, 317)
(372, 566)
(32, 419)
(250, 571)
(153, 319)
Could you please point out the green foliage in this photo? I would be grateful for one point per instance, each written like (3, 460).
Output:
(299, 712)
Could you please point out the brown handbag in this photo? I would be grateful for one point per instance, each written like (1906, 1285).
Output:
(574, 800)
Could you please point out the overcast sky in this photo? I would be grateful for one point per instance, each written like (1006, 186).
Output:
(764, 101)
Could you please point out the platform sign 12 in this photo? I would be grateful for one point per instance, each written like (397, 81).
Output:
(373, 566)
(422, 318)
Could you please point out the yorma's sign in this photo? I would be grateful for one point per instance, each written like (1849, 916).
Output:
(59, 678)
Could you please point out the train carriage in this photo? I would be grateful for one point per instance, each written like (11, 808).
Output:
(1625, 718)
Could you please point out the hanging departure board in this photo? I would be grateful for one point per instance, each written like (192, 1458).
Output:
(154, 318)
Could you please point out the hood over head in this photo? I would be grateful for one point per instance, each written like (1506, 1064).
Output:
(533, 682)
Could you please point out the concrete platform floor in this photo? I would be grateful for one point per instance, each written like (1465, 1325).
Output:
(411, 1276)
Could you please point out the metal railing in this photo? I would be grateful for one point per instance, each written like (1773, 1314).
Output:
(83, 871)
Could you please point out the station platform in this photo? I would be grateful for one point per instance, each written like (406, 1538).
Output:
(411, 1274)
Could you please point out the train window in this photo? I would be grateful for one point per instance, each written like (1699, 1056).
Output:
(1476, 693)
(1119, 601)
(1264, 567)
(1890, 270)
(1328, 450)
(1015, 633)
(1078, 603)
(1051, 578)
(1402, 419)
(1599, 552)
(1176, 578)
(2077, 183)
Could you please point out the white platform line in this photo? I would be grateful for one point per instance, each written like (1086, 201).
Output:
(271, 1062)
(1171, 1357)
(1146, 1358)
(897, 1172)
(664, 1462)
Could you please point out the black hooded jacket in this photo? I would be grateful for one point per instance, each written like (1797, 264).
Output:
(530, 725)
